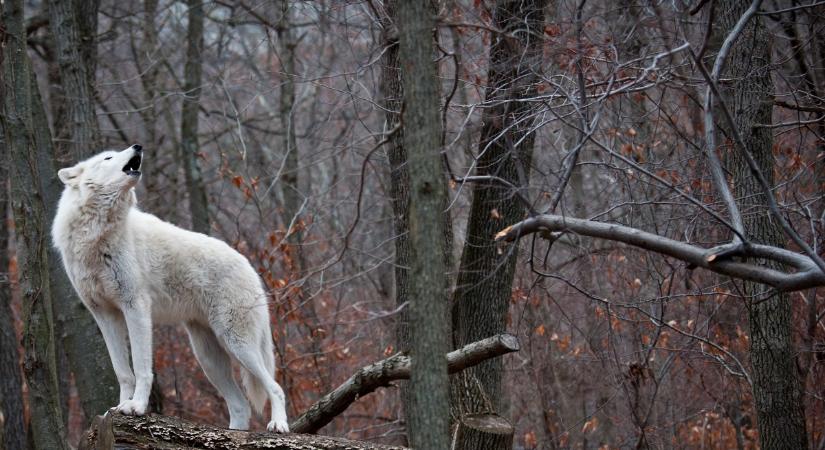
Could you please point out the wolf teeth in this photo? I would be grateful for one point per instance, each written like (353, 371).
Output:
(132, 165)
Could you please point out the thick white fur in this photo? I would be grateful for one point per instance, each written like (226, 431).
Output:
(132, 269)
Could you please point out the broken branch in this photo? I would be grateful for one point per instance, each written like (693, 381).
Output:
(396, 367)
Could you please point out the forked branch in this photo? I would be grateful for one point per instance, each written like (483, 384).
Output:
(807, 273)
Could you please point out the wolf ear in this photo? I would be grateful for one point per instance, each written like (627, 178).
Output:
(69, 175)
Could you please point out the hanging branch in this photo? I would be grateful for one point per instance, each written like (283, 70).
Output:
(808, 274)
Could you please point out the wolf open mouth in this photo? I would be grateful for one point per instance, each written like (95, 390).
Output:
(132, 167)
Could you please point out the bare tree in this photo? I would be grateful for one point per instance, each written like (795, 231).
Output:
(502, 167)
(190, 150)
(73, 26)
(31, 223)
(776, 385)
(427, 410)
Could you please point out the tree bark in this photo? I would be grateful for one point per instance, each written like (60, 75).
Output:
(396, 367)
(31, 223)
(487, 431)
(485, 276)
(71, 52)
(198, 204)
(73, 25)
(392, 91)
(777, 390)
(152, 432)
(428, 410)
(12, 430)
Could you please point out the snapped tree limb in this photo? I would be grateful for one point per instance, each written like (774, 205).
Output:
(396, 367)
(807, 273)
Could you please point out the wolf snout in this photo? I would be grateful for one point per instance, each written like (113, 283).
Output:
(137, 148)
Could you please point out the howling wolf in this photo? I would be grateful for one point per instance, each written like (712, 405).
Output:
(132, 269)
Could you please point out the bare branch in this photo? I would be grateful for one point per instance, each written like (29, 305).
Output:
(807, 276)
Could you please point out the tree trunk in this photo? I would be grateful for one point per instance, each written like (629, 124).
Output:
(198, 205)
(392, 91)
(428, 410)
(12, 430)
(73, 25)
(32, 230)
(776, 386)
(290, 191)
(487, 431)
(153, 432)
(485, 277)
(75, 73)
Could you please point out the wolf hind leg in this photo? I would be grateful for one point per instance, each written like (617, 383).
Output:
(217, 365)
(250, 355)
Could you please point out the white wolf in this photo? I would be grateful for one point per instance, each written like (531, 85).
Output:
(131, 269)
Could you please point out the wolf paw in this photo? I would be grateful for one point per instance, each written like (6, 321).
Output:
(131, 408)
(279, 426)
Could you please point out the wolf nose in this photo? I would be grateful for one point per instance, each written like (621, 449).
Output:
(138, 148)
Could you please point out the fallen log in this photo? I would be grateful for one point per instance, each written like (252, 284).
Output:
(163, 433)
(396, 367)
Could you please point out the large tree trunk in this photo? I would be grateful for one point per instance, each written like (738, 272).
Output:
(198, 204)
(776, 386)
(486, 276)
(32, 230)
(74, 25)
(12, 430)
(427, 411)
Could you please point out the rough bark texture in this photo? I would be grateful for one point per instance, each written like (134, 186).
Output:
(427, 411)
(487, 431)
(75, 74)
(73, 24)
(393, 93)
(161, 432)
(777, 390)
(12, 431)
(198, 205)
(486, 276)
(31, 222)
(396, 367)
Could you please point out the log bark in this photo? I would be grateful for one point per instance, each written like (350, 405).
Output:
(161, 432)
(487, 431)
(396, 367)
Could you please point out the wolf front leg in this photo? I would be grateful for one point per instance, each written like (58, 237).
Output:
(138, 315)
(113, 327)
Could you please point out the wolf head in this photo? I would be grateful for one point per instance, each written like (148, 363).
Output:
(110, 172)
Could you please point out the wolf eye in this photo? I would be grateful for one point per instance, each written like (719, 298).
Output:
(107, 158)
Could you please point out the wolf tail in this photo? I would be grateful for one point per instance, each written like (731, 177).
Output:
(255, 390)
